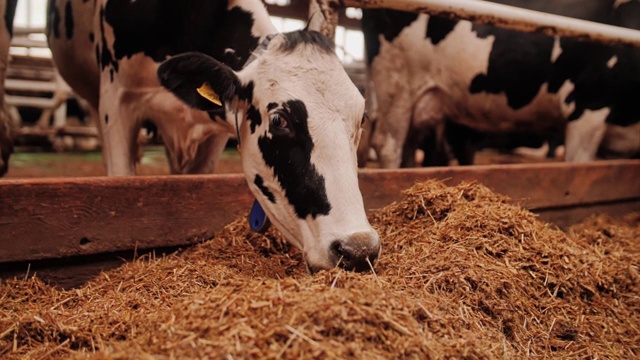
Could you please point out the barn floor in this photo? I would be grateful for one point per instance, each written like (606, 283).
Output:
(464, 273)
(26, 163)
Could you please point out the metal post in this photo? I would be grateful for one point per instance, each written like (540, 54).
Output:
(323, 15)
(510, 17)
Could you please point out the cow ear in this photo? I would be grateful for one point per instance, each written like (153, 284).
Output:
(199, 80)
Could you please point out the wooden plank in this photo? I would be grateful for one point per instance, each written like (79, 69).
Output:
(57, 218)
(53, 218)
(536, 186)
(564, 217)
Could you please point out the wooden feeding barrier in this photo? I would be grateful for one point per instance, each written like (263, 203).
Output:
(54, 218)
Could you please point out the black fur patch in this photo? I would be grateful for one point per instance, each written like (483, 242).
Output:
(68, 20)
(53, 20)
(520, 63)
(596, 85)
(9, 14)
(290, 157)
(438, 28)
(105, 57)
(245, 92)
(254, 118)
(296, 38)
(259, 182)
(518, 74)
(218, 113)
(383, 21)
(163, 28)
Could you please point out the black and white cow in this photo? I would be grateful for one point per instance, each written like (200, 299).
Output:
(429, 72)
(183, 65)
(7, 127)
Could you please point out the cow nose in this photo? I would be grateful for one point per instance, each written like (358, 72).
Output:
(356, 253)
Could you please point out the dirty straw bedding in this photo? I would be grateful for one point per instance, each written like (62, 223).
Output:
(464, 273)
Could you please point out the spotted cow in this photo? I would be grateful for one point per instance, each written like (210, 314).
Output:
(203, 70)
(430, 73)
(7, 126)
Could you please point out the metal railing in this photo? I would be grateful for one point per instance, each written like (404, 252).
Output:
(510, 17)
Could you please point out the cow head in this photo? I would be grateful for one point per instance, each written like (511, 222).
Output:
(298, 117)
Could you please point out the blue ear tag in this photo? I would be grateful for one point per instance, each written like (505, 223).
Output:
(258, 220)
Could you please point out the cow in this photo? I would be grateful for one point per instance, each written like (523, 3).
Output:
(429, 72)
(7, 125)
(203, 70)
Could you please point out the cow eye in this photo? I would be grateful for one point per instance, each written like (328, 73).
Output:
(365, 117)
(278, 122)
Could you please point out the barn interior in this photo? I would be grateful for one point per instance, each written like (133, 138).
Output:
(520, 255)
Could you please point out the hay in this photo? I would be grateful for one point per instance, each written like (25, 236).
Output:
(464, 273)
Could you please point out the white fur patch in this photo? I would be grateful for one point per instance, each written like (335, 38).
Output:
(585, 134)
(262, 23)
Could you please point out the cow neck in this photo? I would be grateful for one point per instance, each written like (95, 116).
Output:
(262, 47)
(258, 219)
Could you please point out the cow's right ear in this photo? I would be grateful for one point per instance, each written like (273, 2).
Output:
(199, 80)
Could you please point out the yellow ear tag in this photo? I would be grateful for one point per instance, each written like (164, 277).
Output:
(207, 92)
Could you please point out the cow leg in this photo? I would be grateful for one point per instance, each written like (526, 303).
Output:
(389, 136)
(411, 144)
(368, 127)
(365, 142)
(208, 154)
(118, 129)
(463, 142)
(430, 117)
(193, 141)
(205, 159)
(435, 148)
(584, 135)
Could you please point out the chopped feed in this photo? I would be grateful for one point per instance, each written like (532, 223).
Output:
(464, 273)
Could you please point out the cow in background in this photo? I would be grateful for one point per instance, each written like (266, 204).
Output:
(7, 126)
(201, 70)
(429, 72)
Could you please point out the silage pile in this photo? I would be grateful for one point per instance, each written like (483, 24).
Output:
(464, 273)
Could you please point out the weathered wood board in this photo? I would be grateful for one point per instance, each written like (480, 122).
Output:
(56, 218)
(42, 219)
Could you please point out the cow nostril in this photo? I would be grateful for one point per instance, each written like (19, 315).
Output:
(353, 257)
(338, 250)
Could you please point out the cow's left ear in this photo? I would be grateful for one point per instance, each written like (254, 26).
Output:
(199, 80)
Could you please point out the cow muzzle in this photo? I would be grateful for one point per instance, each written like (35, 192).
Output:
(358, 252)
